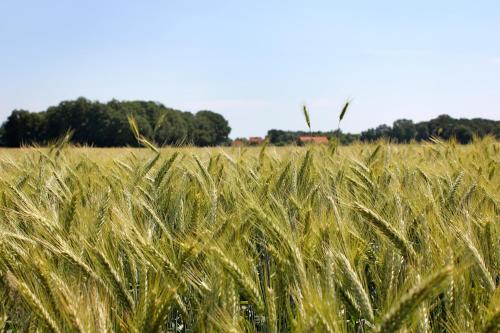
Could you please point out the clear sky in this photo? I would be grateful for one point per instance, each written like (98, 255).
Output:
(256, 62)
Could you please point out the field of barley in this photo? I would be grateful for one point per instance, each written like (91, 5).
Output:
(368, 238)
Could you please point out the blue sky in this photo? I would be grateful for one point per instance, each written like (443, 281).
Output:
(256, 62)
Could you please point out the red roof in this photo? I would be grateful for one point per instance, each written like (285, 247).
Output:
(313, 139)
(255, 139)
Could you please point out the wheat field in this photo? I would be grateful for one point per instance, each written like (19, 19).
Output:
(366, 238)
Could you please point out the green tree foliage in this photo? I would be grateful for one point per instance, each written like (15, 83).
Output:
(106, 125)
(22, 127)
(444, 126)
(211, 128)
(404, 131)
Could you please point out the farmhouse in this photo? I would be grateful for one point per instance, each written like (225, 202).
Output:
(255, 140)
(304, 139)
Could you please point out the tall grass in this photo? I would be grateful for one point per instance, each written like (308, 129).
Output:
(376, 237)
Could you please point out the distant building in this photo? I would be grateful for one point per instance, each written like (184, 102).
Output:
(255, 140)
(238, 143)
(304, 139)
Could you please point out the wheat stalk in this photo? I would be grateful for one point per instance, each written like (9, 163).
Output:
(306, 117)
(410, 301)
(353, 283)
(387, 230)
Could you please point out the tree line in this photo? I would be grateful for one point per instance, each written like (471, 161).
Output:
(404, 131)
(283, 138)
(444, 126)
(106, 125)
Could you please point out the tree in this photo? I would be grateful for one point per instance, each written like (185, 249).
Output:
(23, 127)
(403, 130)
(443, 126)
(105, 125)
(210, 129)
(171, 128)
(280, 138)
(463, 134)
(422, 131)
(381, 131)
